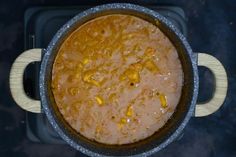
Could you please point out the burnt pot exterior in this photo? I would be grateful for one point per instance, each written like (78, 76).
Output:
(161, 138)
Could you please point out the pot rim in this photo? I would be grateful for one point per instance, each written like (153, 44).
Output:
(62, 31)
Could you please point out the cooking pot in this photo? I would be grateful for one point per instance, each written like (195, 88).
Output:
(186, 107)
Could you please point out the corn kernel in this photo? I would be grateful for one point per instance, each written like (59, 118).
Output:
(88, 78)
(98, 129)
(151, 66)
(137, 66)
(123, 120)
(149, 52)
(90, 103)
(133, 75)
(163, 101)
(80, 66)
(87, 75)
(94, 82)
(78, 70)
(112, 97)
(85, 61)
(129, 111)
(99, 100)
(122, 77)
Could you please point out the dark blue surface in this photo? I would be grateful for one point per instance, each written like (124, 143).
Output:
(211, 29)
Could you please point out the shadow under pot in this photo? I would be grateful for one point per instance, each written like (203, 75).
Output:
(185, 109)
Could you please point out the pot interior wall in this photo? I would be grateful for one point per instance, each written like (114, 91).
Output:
(160, 136)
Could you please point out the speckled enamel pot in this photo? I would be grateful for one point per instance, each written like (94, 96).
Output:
(161, 138)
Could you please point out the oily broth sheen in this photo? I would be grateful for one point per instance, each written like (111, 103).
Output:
(117, 79)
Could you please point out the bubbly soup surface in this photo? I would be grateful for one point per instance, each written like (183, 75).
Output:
(117, 79)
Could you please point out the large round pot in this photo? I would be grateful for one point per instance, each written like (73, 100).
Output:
(163, 137)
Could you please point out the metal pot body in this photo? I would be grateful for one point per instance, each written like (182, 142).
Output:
(162, 137)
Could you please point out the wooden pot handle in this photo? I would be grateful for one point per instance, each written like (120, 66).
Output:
(16, 80)
(221, 85)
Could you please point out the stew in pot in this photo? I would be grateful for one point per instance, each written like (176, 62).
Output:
(117, 79)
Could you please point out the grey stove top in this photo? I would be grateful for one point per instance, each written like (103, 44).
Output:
(211, 28)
